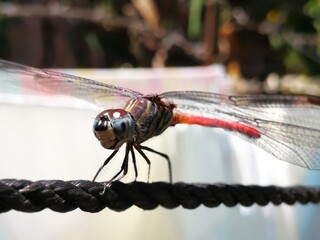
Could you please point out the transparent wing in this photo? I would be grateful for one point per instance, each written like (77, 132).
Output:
(43, 80)
(289, 124)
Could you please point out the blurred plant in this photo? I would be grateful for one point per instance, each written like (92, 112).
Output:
(194, 25)
(312, 9)
(252, 37)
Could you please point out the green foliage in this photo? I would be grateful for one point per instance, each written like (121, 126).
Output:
(194, 25)
(312, 9)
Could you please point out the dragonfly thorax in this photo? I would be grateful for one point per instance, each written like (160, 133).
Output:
(114, 127)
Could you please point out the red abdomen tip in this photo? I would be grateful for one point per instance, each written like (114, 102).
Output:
(213, 122)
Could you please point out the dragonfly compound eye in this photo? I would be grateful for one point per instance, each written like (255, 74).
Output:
(113, 127)
(101, 124)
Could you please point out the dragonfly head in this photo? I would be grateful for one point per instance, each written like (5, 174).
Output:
(114, 127)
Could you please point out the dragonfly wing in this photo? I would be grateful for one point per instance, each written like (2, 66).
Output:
(288, 124)
(279, 140)
(42, 80)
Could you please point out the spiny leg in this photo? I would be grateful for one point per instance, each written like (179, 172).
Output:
(145, 158)
(162, 155)
(134, 163)
(105, 163)
(124, 166)
(123, 170)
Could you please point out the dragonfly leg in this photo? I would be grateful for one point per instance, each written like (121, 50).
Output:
(140, 148)
(145, 158)
(134, 163)
(124, 167)
(123, 171)
(105, 163)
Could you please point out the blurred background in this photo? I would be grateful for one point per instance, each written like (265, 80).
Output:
(230, 47)
(253, 40)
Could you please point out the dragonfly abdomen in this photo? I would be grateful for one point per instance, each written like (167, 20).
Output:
(242, 128)
(152, 116)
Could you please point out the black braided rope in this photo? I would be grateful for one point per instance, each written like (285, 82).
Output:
(61, 196)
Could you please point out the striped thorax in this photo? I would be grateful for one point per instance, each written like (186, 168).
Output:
(142, 118)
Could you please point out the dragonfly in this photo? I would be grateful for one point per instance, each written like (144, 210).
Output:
(286, 126)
